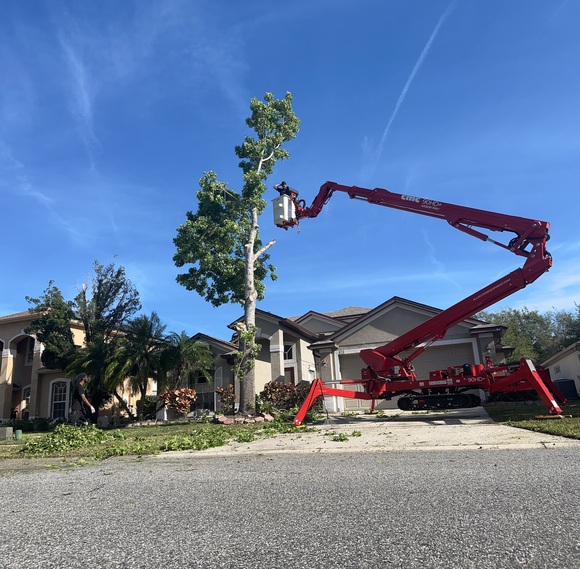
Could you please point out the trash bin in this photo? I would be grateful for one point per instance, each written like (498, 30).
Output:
(18, 434)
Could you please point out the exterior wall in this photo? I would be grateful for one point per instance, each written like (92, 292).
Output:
(306, 364)
(284, 355)
(566, 365)
(263, 368)
(319, 325)
(19, 366)
(394, 323)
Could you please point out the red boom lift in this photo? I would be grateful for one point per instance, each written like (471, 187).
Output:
(388, 372)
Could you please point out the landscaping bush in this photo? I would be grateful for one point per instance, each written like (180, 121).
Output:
(149, 407)
(279, 395)
(29, 426)
(179, 399)
(227, 398)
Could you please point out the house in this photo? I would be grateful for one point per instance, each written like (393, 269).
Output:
(327, 345)
(224, 353)
(564, 370)
(344, 333)
(28, 390)
(292, 349)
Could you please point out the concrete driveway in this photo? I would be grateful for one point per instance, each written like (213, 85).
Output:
(398, 431)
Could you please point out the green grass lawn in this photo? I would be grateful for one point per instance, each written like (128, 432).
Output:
(90, 442)
(526, 417)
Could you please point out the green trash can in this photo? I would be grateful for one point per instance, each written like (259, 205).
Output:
(18, 434)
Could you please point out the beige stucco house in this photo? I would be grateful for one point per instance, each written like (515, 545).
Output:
(292, 349)
(28, 390)
(344, 333)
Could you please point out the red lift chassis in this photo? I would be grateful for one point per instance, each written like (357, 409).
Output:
(388, 373)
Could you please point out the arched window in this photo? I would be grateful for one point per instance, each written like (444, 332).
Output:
(59, 399)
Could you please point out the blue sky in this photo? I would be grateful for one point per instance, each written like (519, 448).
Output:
(110, 112)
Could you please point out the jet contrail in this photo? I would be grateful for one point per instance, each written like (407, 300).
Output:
(410, 79)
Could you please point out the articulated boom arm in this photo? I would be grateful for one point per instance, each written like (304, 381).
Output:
(528, 240)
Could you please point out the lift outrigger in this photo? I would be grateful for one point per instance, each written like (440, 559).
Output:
(387, 372)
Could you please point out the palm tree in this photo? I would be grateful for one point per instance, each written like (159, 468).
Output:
(185, 359)
(139, 356)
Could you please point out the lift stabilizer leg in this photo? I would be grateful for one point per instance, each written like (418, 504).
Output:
(528, 377)
(318, 388)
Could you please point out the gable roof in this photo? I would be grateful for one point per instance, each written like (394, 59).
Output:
(348, 312)
(283, 322)
(27, 315)
(224, 344)
(364, 319)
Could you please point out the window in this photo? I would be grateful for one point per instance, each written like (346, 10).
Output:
(200, 378)
(59, 399)
(30, 351)
(557, 369)
(289, 352)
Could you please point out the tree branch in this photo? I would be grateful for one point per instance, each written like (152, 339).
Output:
(265, 248)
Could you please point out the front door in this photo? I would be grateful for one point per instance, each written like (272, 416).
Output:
(289, 376)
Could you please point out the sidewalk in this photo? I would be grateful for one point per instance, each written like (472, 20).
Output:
(400, 431)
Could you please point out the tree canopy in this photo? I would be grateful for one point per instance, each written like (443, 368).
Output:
(52, 327)
(535, 335)
(220, 243)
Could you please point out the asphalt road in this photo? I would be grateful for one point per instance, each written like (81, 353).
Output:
(426, 509)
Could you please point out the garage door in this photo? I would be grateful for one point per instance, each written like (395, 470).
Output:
(442, 357)
(439, 357)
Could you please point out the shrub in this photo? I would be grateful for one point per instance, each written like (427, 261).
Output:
(279, 395)
(149, 407)
(179, 399)
(227, 398)
(30, 425)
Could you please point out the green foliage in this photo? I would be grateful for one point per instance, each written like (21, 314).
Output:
(104, 311)
(247, 353)
(245, 436)
(52, 327)
(339, 438)
(104, 307)
(526, 417)
(66, 438)
(31, 425)
(199, 439)
(113, 300)
(138, 356)
(534, 335)
(212, 242)
(149, 407)
(220, 243)
(184, 360)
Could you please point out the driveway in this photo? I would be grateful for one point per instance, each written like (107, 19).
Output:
(398, 431)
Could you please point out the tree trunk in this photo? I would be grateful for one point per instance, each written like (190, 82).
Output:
(122, 403)
(248, 379)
